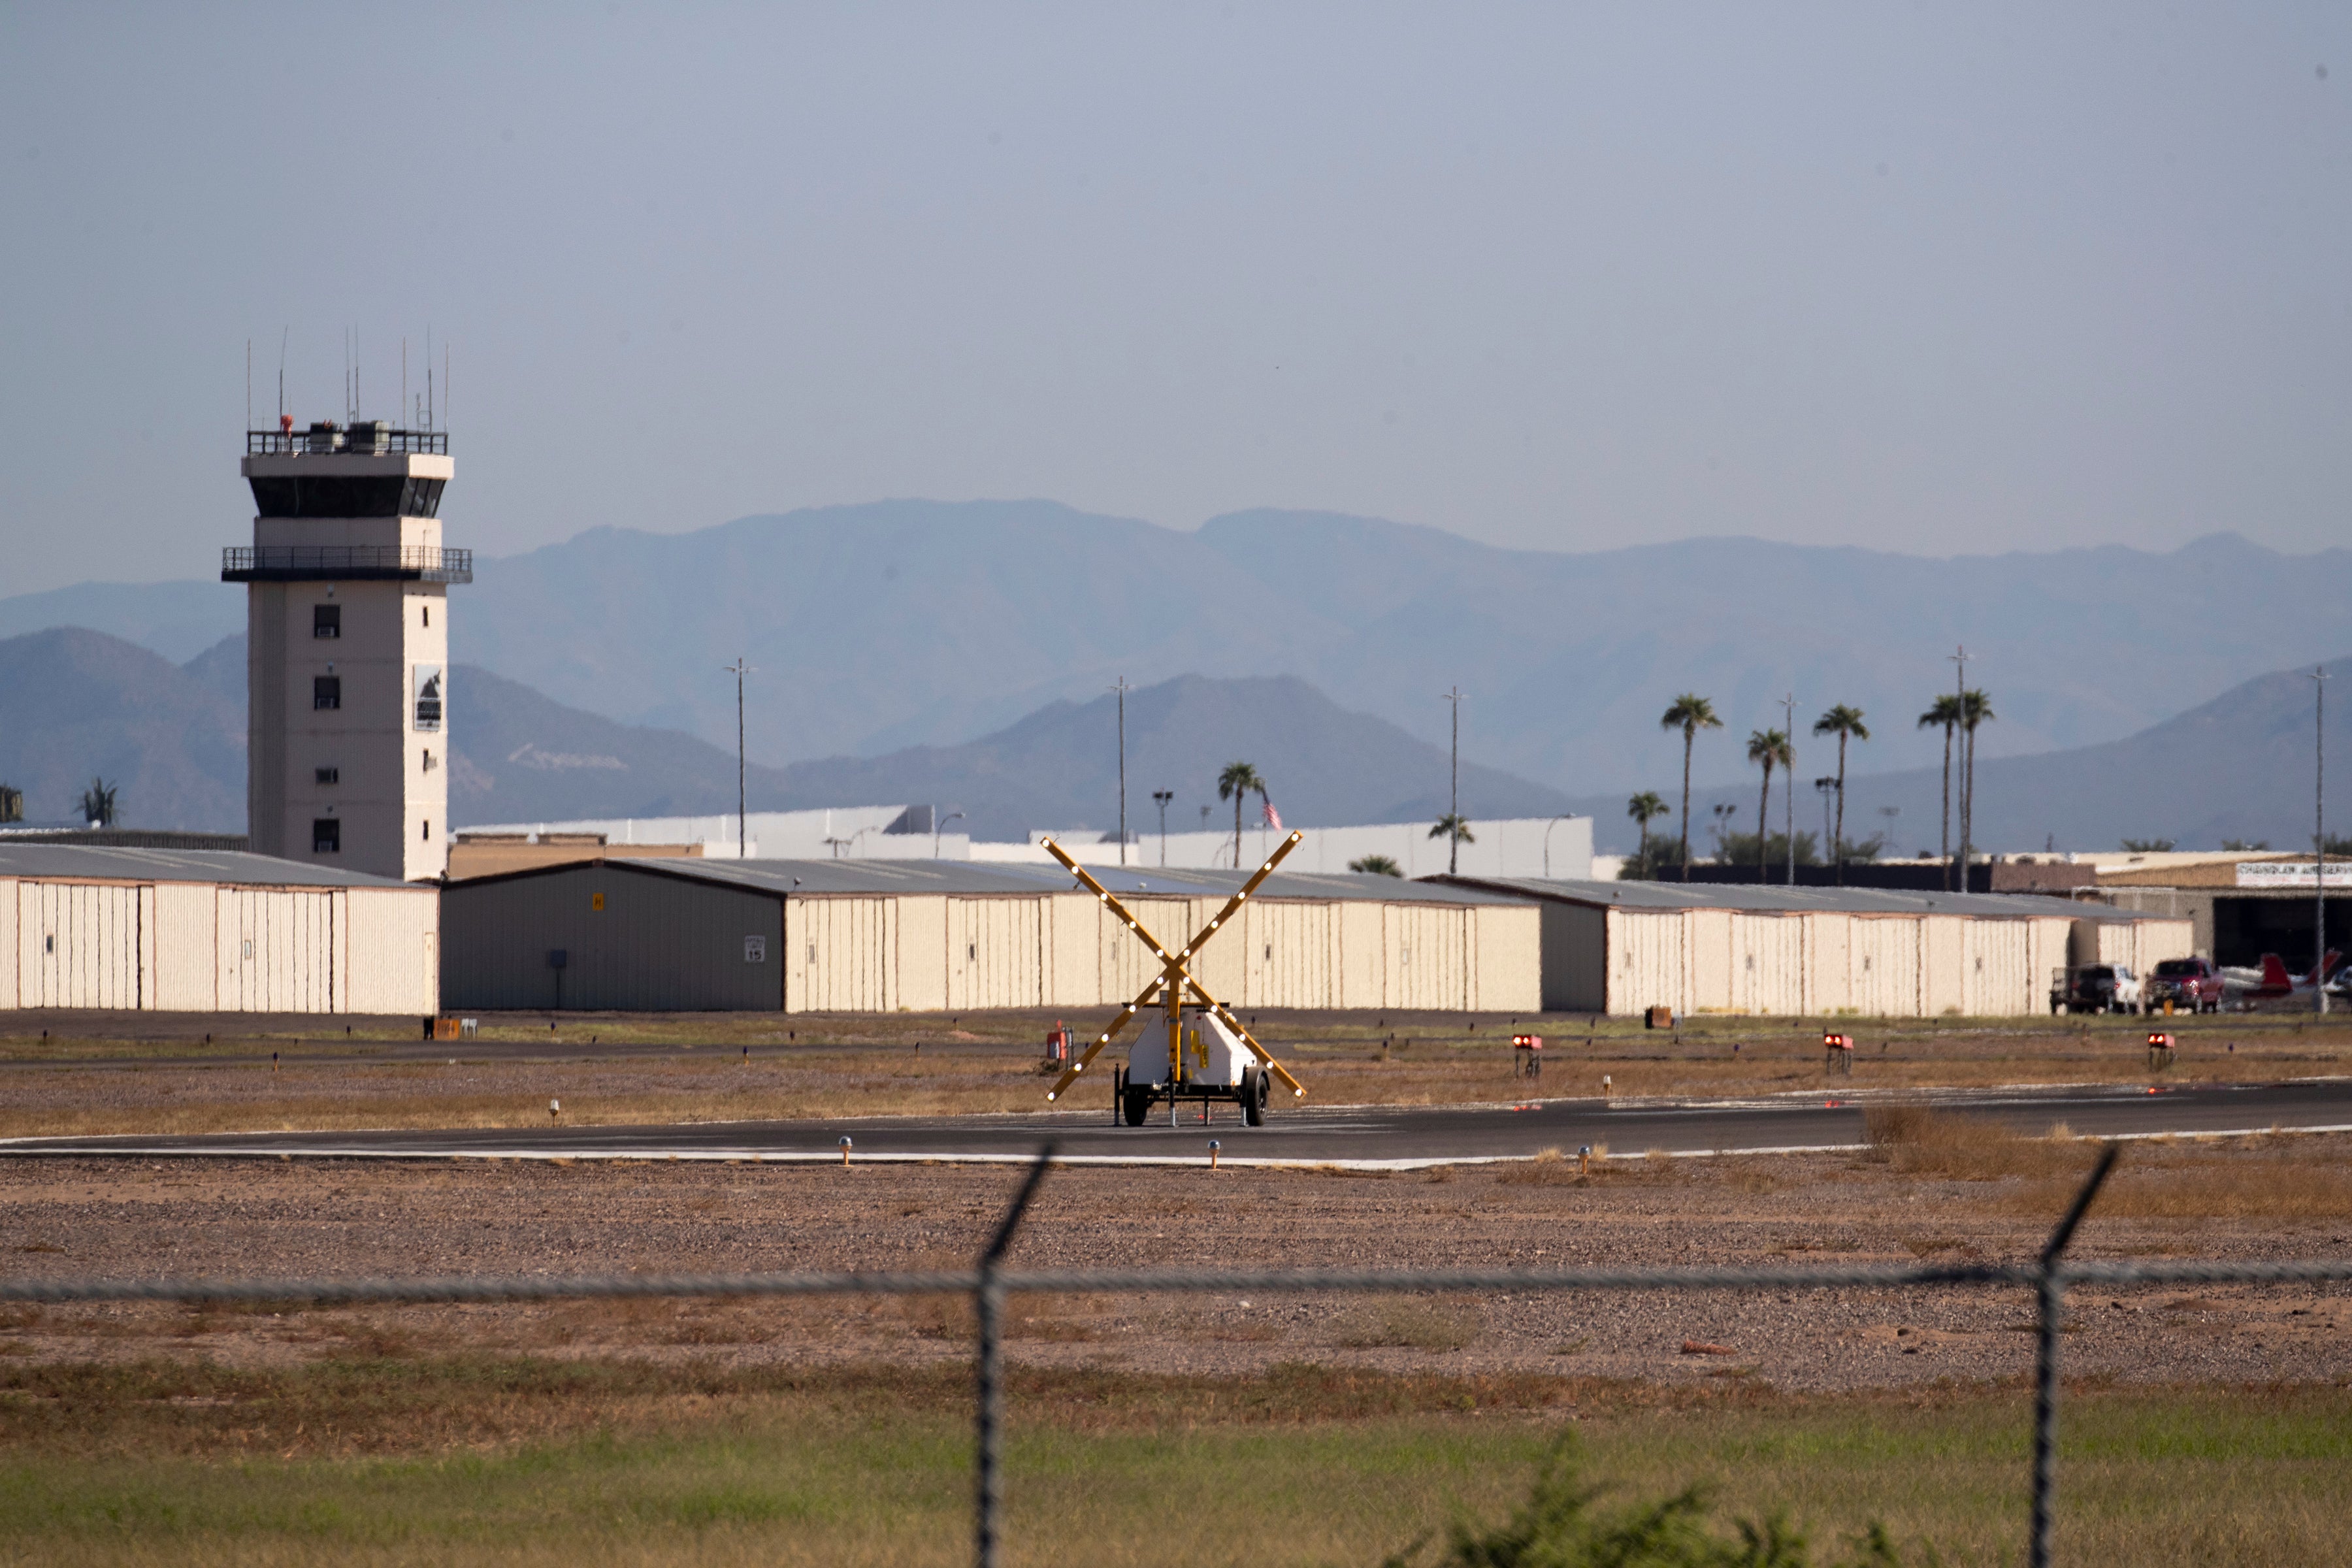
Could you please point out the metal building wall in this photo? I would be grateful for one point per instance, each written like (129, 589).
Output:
(659, 944)
(391, 960)
(1574, 956)
(82, 944)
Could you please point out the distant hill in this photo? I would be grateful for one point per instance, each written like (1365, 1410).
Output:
(76, 703)
(2239, 766)
(1058, 767)
(519, 756)
(897, 623)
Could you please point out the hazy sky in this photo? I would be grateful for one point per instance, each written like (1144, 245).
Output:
(1938, 280)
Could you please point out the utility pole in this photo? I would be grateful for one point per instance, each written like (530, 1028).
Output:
(738, 669)
(2319, 836)
(1789, 728)
(1122, 688)
(1453, 798)
(1959, 657)
(1163, 796)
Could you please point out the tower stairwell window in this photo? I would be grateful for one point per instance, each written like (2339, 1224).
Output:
(326, 620)
(326, 836)
(326, 692)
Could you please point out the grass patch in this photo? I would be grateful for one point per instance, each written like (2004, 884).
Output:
(367, 1461)
(1918, 1139)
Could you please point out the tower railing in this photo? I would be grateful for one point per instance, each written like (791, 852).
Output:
(345, 562)
(362, 439)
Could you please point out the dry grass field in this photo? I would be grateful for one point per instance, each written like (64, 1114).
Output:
(98, 1073)
(2211, 1426)
(2214, 1425)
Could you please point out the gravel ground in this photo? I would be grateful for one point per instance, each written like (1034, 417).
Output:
(211, 1218)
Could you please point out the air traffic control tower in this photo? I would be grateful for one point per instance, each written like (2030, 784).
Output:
(347, 658)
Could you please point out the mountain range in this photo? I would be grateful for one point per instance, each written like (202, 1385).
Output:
(75, 702)
(877, 627)
(2238, 767)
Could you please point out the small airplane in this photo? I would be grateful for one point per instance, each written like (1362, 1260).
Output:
(2273, 980)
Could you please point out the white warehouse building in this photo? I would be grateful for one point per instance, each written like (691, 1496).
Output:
(209, 931)
(1620, 948)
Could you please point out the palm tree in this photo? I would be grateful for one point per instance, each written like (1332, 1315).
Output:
(1377, 866)
(1642, 808)
(1453, 826)
(1946, 712)
(1765, 747)
(1236, 781)
(1976, 708)
(98, 804)
(1690, 713)
(1842, 721)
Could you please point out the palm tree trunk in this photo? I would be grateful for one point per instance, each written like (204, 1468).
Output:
(1837, 834)
(1944, 847)
(1689, 735)
(1763, 806)
(1968, 805)
(1237, 830)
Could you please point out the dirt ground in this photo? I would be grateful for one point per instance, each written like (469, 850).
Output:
(95, 1073)
(1932, 1190)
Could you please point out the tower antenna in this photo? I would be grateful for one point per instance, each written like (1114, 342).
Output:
(404, 376)
(249, 384)
(283, 334)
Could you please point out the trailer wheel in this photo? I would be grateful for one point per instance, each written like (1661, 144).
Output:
(1134, 1105)
(1253, 1094)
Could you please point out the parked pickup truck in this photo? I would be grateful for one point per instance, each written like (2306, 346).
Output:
(2190, 984)
(2096, 988)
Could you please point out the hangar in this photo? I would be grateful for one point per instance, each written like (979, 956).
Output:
(205, 931)
(807, 936)
(1620, 948)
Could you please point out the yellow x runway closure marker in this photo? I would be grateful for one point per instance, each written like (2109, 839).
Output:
(1170, 985)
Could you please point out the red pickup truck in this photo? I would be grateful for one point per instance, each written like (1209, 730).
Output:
(2190, 984)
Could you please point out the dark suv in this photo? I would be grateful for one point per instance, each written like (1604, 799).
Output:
(2190, 984)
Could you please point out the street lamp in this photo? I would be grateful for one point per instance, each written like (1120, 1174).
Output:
(1555, 822)
(2320, 837)
(937, 823)
(1161, 797)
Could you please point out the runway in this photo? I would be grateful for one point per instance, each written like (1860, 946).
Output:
(1362, 1137)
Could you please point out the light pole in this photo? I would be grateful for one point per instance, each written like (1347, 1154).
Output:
(1723, 810)
(1555, 822)
(1890, 813)
(1122, 688)
(1789, 728)
(1454, 796)
(1959, 657)
(1828, 790)
(1163, 796)
(938, 823)
(2320, 837)
(740, 670)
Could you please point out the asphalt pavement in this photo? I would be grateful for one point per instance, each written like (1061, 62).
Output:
(1359, 1137)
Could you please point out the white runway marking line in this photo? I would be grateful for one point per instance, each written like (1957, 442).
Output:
(828, 1157)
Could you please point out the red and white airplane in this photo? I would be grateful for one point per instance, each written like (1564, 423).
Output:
(2273, 980)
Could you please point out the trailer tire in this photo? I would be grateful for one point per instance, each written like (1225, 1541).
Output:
(1253, 1092)
(1134, 1105)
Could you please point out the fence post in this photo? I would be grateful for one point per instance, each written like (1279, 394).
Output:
(988, 1301)
(2045, 1372)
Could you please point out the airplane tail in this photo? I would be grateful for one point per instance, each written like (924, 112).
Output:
(2274, 975)
(2328, 965)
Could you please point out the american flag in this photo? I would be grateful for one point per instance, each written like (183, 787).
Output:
(1272, 817)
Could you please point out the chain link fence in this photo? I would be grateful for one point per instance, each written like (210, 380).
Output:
(988, 1283)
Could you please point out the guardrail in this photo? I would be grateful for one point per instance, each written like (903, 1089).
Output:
(988, 1283)
(360, 439)
(345, 562)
